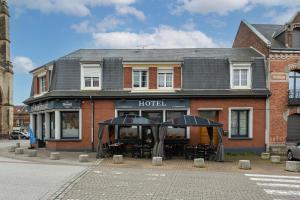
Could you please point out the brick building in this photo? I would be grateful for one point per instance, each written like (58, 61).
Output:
(21, 117)
(72, 94)
(280, 44)
(6, 74)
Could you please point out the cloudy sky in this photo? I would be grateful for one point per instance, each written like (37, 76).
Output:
(43, 30)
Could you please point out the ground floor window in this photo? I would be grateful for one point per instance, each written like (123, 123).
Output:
(239, 123)
(128, 132)
(175, 132)
(70, 125)
(52, 125)
(293, 125)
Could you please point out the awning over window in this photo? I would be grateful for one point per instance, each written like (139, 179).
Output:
(129, 120)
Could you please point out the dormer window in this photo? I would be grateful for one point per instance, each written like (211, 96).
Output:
(165, 78)
(42, 84)
(240, 76)
(90, 77)
(140, 78)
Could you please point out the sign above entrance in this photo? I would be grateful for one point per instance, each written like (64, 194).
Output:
(63, 104)
(152, 104)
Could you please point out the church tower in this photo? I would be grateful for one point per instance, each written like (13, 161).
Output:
(6, 74)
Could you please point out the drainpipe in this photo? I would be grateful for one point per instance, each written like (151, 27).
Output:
(267, 138)
(92, 123)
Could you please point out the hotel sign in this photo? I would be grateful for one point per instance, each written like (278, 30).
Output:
(152, 104)
(49, 105)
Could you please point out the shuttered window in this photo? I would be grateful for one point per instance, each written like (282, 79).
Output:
(293, 133)
(91, 77)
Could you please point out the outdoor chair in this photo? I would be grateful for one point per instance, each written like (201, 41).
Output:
(189, 152)
(169, 151)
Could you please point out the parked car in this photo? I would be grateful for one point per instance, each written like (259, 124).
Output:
(293, 152)
(16, 135)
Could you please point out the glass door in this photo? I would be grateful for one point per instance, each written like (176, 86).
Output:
(147, 134)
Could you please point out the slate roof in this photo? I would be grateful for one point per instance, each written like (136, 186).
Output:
(205, 72)
(270, 30)
(139, 55)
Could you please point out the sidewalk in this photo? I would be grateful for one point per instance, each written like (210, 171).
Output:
(67, 158)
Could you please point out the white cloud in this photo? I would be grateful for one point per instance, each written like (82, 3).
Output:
(223, 7)
(107, 24)
(189, 25)
(161, 37)
(78, 8)
(22, 64)
(125, 10)
(283, 17)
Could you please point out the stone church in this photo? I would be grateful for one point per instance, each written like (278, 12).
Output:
(6, 74)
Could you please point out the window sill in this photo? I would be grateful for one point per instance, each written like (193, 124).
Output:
(64, 140)
(240, 138)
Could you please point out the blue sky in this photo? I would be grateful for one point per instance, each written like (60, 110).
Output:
(43, 30)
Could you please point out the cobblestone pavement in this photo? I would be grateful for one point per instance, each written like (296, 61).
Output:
(105, 182)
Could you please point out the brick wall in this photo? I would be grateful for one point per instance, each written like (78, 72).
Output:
(177, 77)
(259, 121)
(152, 77)
(246, 38)
(127, 77)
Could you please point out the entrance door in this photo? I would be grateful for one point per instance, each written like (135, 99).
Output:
(293, 133)
(211, 115)
(157, 116)
(43, 127)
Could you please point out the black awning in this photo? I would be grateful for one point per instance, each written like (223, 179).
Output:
(189, 120)
(129, 120)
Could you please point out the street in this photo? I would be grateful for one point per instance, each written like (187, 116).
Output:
(22, 180)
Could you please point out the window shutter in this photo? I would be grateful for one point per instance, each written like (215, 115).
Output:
(91, 71)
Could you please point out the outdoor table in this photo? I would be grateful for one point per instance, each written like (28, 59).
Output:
(116, 148)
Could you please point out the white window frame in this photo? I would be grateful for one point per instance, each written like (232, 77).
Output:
(140, 77)
(165, 70)
(40, 76)
(250, 109)
(83, 66)
(240, 66)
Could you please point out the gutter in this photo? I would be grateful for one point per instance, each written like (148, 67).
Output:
(92, 124)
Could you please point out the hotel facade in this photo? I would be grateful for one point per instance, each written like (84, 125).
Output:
(70, 95)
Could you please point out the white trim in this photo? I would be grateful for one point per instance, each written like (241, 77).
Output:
(247, 66)
(150, 63)
(80, 124)
(204, 109)
(250, 134)
(41, 74)
(82, 66)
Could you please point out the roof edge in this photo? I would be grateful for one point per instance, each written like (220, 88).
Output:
(256, 32)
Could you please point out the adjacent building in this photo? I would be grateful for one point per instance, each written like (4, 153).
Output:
(280, 44)
(21, 117)
(6, 74)
(70, 95)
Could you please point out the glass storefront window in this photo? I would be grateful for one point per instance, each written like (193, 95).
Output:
(128, 132)
(52, 125)
(175, 132)
(70, 125)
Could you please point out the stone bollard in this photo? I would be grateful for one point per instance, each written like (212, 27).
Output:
(19, 151)
(275, 159)
(199, 162)
(18, 145)
(54, 155)
(265, 156)
(12, 149)
(32, 153)
(292, 166)
(118, 159)
(83, 158)
(157, 161)
(244, 164)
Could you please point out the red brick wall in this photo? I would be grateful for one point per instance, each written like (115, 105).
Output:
(246, 38)
(127, 79)
(104, 109)
(177, 77)
(279, 109)
(259, 120)
(152, 77)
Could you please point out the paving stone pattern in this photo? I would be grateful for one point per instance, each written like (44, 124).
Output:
(128, 183)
